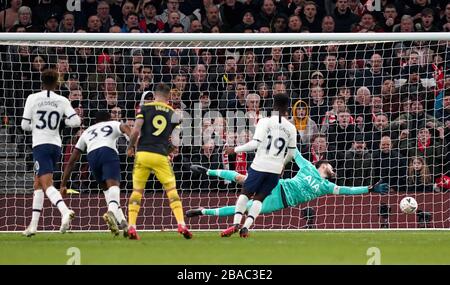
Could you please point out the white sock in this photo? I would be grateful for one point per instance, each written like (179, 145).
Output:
(117, 213)
(38, 203)
(114, 199)
(253, 212)
(241, 206)
(57, 200)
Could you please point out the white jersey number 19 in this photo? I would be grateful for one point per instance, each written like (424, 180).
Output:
(278, 143)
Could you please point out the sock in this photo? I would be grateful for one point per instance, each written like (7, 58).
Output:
(38, 203)
(221, 212)
(176, 206)
(134, 205)
(253, 212)
(119, 213)
(225, 174)
(241, 206)
(113, 200)
(56, 199)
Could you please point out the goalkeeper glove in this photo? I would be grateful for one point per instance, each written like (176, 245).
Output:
(379, 187)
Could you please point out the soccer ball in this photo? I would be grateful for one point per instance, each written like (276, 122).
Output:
(408, 205)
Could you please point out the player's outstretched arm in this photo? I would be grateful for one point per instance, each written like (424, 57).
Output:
(135, 133)
(381, 188)
(229, 175)
(68, 170)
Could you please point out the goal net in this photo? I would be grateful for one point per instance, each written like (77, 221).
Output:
(376, 106)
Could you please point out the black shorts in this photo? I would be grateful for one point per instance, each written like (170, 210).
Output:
(261, 183)
(104, 163)
(45, 157)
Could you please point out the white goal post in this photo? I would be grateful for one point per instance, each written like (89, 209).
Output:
(373, 104)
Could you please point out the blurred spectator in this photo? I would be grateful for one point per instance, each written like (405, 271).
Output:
(374, 75)
(334, 77)
(46, 9)
(406, 25)
(173, 6)
(338, 105)
(212, 18)
(318, 104)
(25, 17)
(367, 24)
(342, 134)
(318, 150)
(268, 11)
(428, 146)
(390, 98)
(280, 23)
(445, 20)
(103, 13)
(419, 178)
(376, 130)
(305, 126)
(414, 118)
(10, 16)
(417, 6)
(310, 18)
(294, 25)
(94, 24)
(388, 165)
(298, 66)
(343, 17)
(195, 26)
(357, 7)
(198, 83)
(355, 166)
(208, 157)
(237, 101)
(390, 19)
(253, 113)
(131, 21)
(67, 24)
(127, 8)
(426, 23)
(328, 25)
(51, 24)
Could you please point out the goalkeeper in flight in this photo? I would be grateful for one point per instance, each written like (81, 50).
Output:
(309, 183)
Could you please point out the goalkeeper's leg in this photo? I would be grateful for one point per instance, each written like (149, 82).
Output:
(221, 173)
(272, 203)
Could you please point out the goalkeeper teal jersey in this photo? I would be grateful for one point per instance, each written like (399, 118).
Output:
(308, 185)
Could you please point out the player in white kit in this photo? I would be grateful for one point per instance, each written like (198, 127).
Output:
(42, 115)
(275, 142)
(100, 143)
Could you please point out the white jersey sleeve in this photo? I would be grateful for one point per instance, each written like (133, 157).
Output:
(104, 134)
(81, 144)
(276, 135)
(72, 119)
(27, 115)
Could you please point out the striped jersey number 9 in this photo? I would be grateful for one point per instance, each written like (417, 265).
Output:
(160, 124)
(279, 143)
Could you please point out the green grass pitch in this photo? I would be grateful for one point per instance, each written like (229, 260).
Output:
(305, 247)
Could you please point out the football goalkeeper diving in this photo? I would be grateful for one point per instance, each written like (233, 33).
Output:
(309, 183)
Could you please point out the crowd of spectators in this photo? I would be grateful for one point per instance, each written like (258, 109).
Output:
(374, 110)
